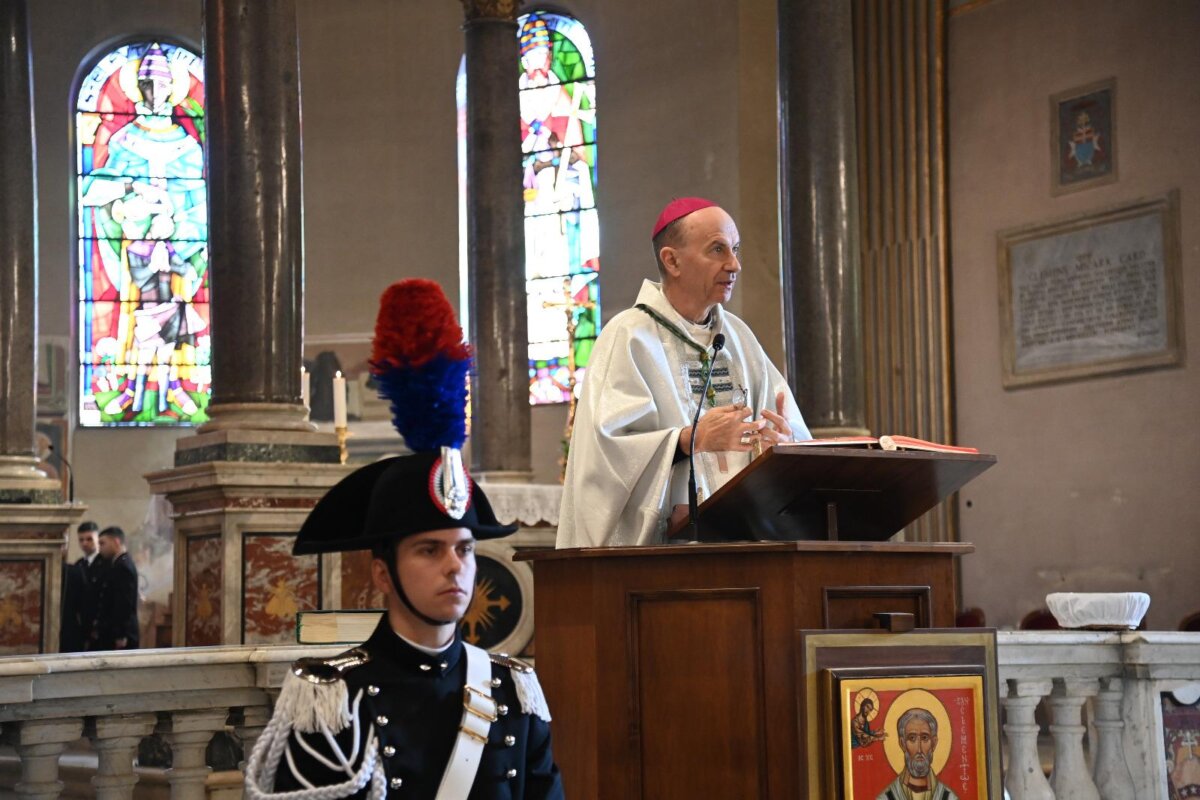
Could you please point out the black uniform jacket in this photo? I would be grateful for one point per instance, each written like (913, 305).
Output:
(116, 605)
(415, 702)
(71, 632)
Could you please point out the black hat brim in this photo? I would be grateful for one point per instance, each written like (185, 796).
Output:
(386, 500)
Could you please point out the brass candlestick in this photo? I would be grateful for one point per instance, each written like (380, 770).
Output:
(343, 433)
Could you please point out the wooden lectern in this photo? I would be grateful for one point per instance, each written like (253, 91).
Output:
(671, 671)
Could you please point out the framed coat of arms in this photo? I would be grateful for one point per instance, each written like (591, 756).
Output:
(1083, 131)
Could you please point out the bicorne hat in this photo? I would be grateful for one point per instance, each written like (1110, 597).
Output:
(420, 364)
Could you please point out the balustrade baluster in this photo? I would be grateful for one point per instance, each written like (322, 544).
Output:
(1109, 767)
(1071, 779)
(1024, 779)
(115, 739)
(39, 743)
(189, 733)
(253, 720)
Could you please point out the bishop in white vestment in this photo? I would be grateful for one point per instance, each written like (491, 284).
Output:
(627, 465)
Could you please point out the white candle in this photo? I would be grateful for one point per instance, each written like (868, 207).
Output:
(339, 401)
(305, 387)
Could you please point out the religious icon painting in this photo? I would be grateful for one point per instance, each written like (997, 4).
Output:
(916, 735)
(1181, 742)
(892, 716)
(1083, 137)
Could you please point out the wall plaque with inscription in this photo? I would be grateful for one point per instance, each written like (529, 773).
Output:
(1092, 295)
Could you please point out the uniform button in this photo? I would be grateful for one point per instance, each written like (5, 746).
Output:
(512, 773)
(510, 740)
(443, 665)
(389, 751)
(397, 783)
(381, 720)
(425, 668)
(502, 709)
(372, 690)
(495, 682)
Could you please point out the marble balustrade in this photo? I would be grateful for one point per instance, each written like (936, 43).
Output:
(1101, 696)
(48, 703)
(1100, 693)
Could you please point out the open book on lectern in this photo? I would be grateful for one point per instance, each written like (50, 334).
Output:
(803, 491)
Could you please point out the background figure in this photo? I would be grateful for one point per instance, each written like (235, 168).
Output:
(71, 631)
(91, 566)
(116, 624)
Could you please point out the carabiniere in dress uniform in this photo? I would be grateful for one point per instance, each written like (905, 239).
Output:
(413, 712)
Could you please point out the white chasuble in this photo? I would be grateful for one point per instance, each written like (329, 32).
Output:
(642, 386)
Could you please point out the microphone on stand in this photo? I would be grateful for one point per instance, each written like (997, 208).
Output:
(70, 473)
(717, 344)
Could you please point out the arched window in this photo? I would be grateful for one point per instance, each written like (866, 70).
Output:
(557, 85)
(144, 342)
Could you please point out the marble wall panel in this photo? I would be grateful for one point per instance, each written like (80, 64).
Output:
(22, 586)
(357, 589)
(204, 580)
(276, 585)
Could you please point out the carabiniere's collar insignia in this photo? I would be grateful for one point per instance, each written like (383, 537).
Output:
(449, 484)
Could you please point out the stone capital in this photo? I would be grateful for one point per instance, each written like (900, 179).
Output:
(505, 10)
(179, 724)
(44, 731)
(118, 726)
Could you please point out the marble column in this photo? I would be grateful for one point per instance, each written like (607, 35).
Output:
(258, 464)
(500, 425)
(189, 733)
(256, 237)
(819, 214)
(115, 739)
(20, 479)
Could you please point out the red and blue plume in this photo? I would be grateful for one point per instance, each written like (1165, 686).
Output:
(420, 363)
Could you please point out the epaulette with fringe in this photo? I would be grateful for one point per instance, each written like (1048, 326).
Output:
(529, 691)
(314, 695)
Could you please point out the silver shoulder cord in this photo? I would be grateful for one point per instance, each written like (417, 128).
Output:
(272, 746)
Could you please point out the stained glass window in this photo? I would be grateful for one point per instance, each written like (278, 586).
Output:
(557, 85)
(144, 338)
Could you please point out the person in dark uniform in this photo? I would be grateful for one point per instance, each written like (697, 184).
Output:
(90, 566)
(116, 624)
(71, 637)
(413, 712)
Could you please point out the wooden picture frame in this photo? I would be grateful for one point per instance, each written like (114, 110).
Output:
(1083, 137)
(951, 673)
(1094, 294)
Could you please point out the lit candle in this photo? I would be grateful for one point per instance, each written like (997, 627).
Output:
(339, 401)
(305, 387)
